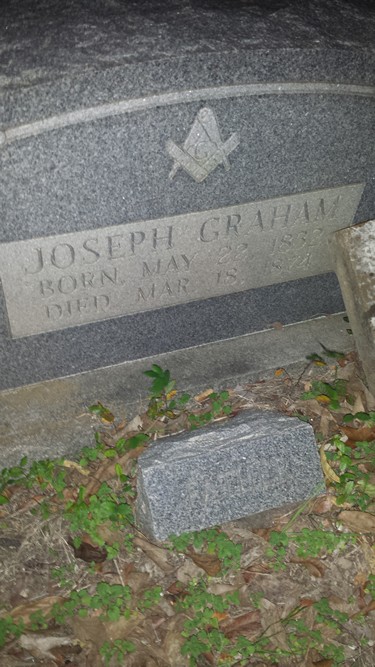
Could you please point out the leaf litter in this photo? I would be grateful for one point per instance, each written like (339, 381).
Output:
(283, 602)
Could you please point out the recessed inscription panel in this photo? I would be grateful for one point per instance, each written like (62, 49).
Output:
(72, 279)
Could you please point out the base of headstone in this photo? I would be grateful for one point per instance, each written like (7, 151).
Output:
(256, 461)
(50, 419)
(354, 250)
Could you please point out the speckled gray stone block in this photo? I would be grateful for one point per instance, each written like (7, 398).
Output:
(98, 104)
(354, 250)
(257, 461)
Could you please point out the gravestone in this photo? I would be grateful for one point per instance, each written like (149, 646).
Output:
(354, 251)
(170, 175)
(255, 462)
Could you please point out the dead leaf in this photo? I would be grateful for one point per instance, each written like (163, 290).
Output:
(203, 396)
(208, 562)
(322, 504)
(361, 434)
(365, 610)
(158, 555)
(107, 471)
(369, 554)
(328, 471)
(278, 326)
(89, 553)
(40, 645)
(188, 571)
(44, 605)
(313, 565)
(322, 398)
(173, 641)
(358, 522)
(279, 372)
(72, 464)
(271, 624)
(326, 420)
(248, 624)
(327, 662)
(254, 571)
(134, 426)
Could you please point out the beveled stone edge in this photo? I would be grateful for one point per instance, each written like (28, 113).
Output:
(90, 114)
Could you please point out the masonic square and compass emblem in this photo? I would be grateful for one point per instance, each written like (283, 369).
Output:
(203, 149)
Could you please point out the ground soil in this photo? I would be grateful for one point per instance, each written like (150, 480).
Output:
(34, 544)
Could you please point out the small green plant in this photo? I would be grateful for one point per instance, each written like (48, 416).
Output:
(111, 600)
(15, 475)
(101, 411)
(162, 394)
(309, 543)
(201, 631)
(331, 394)
(95, 453)
(218, 406)
(212, 541)
(117, 650)
(10, 629)
(150, 598)
(354, 485)
(367, 417)
(63, 575)
(45, 474)
(370, 586)
(104, 506)
(301, 637)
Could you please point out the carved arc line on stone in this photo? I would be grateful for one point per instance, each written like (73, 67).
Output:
(169, 99)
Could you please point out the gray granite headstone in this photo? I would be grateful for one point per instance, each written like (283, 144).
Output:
(257, 461)
(170, 173)
(354, 251)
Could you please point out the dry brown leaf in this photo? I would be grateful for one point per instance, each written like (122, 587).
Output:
(326, 420)
(327, 662)
(107, 471)
(328, 471)
(313, 565)
(358, 405)
(254, 571)
(40, 645)
(158, 555)
(137, 581)
(360, 579)
(122, 628)
(369, 554)
(271, 623)
(361, 434)
(248, 624)
(173, 641)
(322, 504)
(365, 610)
(358, 522)
(72, 464)
(207, 562)
(95, 630)
(127, 430)
(44, 605)
(89, 553)
(220, 588)
(203, 396)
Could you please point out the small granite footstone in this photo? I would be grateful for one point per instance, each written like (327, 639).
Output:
(355, 267)
(257, 461)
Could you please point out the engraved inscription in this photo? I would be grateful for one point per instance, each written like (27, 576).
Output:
(203, 149)
(72, 279)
